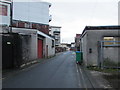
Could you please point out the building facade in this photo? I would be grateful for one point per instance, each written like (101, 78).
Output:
(99, 43)
(28, 33)
(73, 46)
(32, 14)
(77, 42)
(65, 46)
(55, 31)
(5, 13)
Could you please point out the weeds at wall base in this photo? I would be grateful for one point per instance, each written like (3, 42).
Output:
(106, 70)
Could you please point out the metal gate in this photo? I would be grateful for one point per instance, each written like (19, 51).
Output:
(7, 51)
(104, 62)
(11, 51)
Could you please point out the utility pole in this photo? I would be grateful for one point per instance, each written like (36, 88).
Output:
(101, 55)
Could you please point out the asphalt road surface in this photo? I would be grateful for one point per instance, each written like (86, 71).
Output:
(60, 71)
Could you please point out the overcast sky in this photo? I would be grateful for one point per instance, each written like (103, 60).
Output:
(74, 15)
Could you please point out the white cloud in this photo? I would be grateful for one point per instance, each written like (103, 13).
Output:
(73, 17)
(71, 1)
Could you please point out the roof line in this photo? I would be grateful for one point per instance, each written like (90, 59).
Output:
(100, 28)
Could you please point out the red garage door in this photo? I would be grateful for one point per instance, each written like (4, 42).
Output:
(40, 48)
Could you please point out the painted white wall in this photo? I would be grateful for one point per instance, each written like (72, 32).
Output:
(112, 53)
(37, 12)
(33, 40)
(57, 36)
(5, 19)
(51, 50)
(63, 45)
(72, 45)
(52, 29)
(90, 40)
(0, 61)
(84, 49)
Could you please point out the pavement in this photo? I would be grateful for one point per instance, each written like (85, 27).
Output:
(60, 71)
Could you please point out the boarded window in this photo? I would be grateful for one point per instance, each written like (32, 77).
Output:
(111, 40)
(3, 10)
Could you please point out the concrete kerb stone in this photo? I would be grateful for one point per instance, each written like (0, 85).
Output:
(31, 63)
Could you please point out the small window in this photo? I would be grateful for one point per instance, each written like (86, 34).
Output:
(53, 45)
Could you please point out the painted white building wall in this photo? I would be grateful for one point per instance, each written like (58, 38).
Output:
(33, 40)
(47, 41)
(52, 29)
(84, 49)
(5, 19)
(51, 50)
(90, 41)
(73, 45)
(31, 11)
(0, 52)
(55, 31)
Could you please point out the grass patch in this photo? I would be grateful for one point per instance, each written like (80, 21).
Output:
(113, 76)
(113, 79)
(110, 70)
(109, 62)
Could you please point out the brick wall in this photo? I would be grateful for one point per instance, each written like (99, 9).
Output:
(29, 25)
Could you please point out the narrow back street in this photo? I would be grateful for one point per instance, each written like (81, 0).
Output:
(60, 71)
(57, 72)
(59, 44)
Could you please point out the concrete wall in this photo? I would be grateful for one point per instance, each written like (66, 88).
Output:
(84, 49)
(90, 41)
(33, 47)
(29, 47)
(0, 61)
(32, 41)
(47, 41)
(51, 50)
(29, 43)
(112, 53)
(77, 42)
(31, 11)
(119, 24)
(56, 35)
